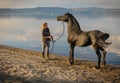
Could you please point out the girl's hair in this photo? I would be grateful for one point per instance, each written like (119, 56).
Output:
(43, 25)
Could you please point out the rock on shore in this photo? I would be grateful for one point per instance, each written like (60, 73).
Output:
(26, 66)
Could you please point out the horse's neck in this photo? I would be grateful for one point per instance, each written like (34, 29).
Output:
(73, 26)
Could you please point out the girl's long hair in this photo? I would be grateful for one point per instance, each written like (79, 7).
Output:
(43, 25)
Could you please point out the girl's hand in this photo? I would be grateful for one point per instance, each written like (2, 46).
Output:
(50, 37)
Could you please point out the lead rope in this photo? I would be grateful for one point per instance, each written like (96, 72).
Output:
(53, 42)
(62, 32)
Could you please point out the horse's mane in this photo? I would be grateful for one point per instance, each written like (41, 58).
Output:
(77, 29)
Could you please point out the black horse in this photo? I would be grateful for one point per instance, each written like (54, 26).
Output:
(77, 37)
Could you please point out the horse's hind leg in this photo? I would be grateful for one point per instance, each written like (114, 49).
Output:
(97, 50)
(104, 55)
(71, 57)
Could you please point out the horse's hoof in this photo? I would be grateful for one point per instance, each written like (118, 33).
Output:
(103, 63)
(71, 62)
(97, 67)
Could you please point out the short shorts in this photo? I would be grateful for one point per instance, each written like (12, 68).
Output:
(45, 45)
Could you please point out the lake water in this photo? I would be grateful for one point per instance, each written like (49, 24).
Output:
(24, 32)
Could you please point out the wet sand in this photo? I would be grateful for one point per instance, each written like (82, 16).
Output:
(26, 66)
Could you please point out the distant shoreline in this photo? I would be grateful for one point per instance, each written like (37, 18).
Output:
(77, 57)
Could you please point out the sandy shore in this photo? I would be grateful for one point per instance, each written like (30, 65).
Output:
(25, 66)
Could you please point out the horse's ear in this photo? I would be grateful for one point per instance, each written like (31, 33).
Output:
(68, 13)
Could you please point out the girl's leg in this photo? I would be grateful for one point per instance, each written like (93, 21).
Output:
(47, 48)
(47, 52)
(43, 50)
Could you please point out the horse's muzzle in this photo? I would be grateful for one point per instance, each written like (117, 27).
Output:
(59, 18)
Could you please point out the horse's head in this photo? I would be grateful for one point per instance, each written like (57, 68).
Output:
(64, 17)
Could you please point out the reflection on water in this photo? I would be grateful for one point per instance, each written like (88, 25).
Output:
(26, 33)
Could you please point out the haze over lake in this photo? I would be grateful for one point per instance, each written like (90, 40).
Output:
(25, 32)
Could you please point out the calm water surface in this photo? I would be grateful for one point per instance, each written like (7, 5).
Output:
(26, 33)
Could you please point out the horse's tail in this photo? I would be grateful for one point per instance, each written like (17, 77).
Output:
(103, 43)
(102, 40)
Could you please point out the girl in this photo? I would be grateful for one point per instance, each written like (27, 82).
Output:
(46, 38)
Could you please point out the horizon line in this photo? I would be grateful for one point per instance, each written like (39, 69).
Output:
(56, 7)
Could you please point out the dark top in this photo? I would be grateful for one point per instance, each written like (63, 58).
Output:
(45, 33)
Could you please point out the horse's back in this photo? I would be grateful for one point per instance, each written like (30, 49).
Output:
(83, 39)
(98, 35)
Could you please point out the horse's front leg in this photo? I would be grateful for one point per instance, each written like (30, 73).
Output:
(71, 56)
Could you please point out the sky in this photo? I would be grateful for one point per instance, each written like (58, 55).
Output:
(59, 3)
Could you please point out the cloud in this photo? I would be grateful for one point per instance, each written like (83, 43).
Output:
(12, 37)
(115, 46)
(21, 38)
(34, 45)
(25, 30)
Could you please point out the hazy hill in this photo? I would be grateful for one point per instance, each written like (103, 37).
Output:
(36, 12)
(50, 12)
